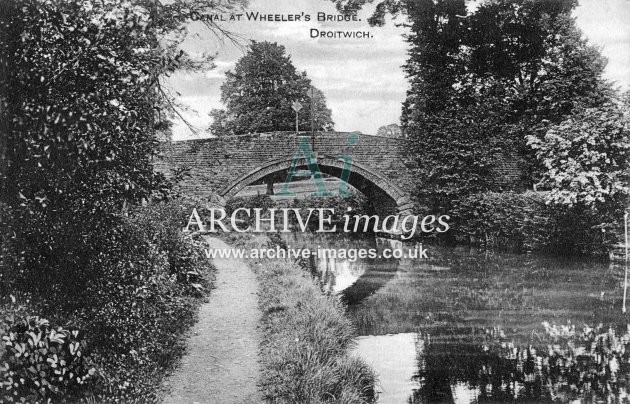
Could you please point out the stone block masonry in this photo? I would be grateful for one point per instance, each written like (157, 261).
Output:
(382, 167)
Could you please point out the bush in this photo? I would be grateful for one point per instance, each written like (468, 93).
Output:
(149, 286)
(163, 224)
(134, 300)
(8, 254)
(585, 162)
(500, 220)
(586, 158)
(41, 362)
(525, 222)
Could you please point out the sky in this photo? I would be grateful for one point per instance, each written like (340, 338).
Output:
(361, 78)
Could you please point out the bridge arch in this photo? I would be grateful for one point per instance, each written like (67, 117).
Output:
(217, 168)
(365, 179)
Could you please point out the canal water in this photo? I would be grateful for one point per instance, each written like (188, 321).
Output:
(468, 326)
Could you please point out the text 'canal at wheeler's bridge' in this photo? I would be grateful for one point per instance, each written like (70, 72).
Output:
(379, 167)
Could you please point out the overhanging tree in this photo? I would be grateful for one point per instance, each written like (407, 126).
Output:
(82, 101)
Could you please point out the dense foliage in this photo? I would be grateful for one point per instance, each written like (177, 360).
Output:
(153, 279)
(498, 81)
(79, 141)
(526, 222)
(128, 321)
(41, 362)
(259, 93)
(482, 80)
(585, 162)
(586, 158)
(484, 76)
(82, 108)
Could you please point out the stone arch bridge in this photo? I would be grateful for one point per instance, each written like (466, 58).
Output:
(380, 168)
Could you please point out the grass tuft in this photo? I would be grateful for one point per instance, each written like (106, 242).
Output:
(307, 340)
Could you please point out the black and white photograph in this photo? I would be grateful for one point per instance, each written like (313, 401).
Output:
(314, 201)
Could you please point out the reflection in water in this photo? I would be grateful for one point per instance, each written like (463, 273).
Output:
(467, 326)
(339, 275)
(561, 365)
(394, 358)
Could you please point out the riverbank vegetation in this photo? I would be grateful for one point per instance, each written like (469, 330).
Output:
(544, 105)
(122, 330)
(507, 97)
(585, 161)
(307, 338)
(96, 291)
(525, 222)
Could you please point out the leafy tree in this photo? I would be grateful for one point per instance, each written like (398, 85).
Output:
(512, 80)
(391, 130)
(507, 68)
(82, 104)
(463, 143)
(81, 109)
(587, 158)
(79, 138)
(536, 49)
(259, 92)
(434, 63)
(322, 119)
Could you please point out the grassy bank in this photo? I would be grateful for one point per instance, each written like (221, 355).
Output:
(305, 351)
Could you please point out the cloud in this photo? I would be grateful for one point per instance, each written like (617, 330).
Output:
(606, 23)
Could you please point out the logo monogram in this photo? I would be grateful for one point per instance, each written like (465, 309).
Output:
(304, 151)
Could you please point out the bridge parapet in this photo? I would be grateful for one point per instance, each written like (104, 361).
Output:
(223, 166)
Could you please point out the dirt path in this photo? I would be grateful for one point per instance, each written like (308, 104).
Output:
(221, 363)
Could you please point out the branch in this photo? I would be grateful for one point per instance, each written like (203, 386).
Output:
(172, 107)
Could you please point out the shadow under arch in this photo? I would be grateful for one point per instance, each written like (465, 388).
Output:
(365, 179)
